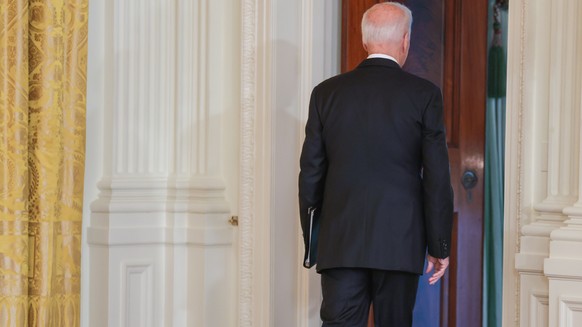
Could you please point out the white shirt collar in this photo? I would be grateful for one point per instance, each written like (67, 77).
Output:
(382, 55)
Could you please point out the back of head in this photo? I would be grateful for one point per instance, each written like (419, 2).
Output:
(385, 23)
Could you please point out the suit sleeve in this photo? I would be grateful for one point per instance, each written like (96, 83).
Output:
(436, 179)
(313, 167)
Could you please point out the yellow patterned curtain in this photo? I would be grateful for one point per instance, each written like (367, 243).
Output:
(43, 52)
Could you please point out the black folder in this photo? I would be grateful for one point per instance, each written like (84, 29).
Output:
(310, 257)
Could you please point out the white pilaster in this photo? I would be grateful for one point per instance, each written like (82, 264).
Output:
(555, 144)
(564, 266)
(562, 188)
(530, 171)
(543, 164)
(556, 75)
(161, 248)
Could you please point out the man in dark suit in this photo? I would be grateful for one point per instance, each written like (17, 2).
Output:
(374, 188)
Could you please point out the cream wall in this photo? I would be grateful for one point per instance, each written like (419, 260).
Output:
(195, 114)
(543, 233)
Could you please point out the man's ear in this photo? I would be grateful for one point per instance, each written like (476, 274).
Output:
(406, 42)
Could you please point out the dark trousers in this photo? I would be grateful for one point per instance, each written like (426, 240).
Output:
(348, 292)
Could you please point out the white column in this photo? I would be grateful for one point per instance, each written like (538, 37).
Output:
(161, 248)
(547, 168)
(562, 188)
(544, 165)
(532, 173)
(564, 267)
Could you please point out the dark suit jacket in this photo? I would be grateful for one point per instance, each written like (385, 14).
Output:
(375, 169)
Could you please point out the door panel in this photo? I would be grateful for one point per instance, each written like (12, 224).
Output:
(449, 48)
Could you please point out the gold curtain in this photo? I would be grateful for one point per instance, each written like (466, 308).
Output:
(43, 52)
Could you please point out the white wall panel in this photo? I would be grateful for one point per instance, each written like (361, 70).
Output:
(538, 311)
(319, 60)
(570, 311)
(164, 82)
(534, 300)
(282, 59)
(137, 291)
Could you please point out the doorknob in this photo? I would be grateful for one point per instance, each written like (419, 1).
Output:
(469, 179)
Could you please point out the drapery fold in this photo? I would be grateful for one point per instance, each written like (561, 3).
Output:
(494, 174)
(493, 244)
(42, 151)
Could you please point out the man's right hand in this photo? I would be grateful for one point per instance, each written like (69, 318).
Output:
(440, 267)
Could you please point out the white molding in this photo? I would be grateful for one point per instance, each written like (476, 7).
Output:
(204, 236)
(247, 155)
(570, 307)
(514, 157)
(255, 156)
(563, 269)
(306, 84)
(530, 263)
(158, 193)
(575, 210)
(538, 308)
(571, 232)
(94, 154)
(137, 294)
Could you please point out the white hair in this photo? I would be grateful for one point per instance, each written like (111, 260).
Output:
(386, 31)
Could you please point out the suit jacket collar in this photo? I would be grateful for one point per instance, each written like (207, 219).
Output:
(378, 62)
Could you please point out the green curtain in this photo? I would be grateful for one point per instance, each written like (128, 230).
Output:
(493, 247)
(494, 178)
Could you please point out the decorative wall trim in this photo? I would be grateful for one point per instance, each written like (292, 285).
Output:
(137, 294)
(514, 154)
(248, 94)
(146, 193)
(570, 311)
(538, 308)
(306, 81)
(567, 269)
(255, 156)
(160, 235)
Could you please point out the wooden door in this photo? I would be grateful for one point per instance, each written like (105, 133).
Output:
(449, 48)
